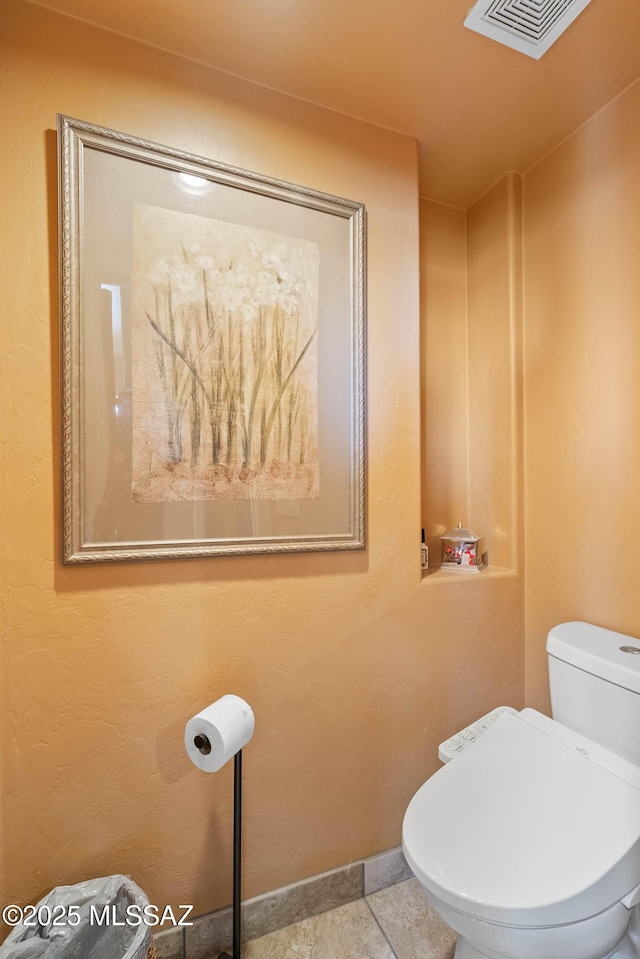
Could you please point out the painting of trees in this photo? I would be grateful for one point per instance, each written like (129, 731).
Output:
(225, 328)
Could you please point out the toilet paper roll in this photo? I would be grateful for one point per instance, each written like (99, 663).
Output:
(216, 734)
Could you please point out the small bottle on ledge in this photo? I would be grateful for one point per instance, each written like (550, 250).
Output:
(424, 553)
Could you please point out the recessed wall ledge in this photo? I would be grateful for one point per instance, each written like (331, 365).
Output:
(437, 575)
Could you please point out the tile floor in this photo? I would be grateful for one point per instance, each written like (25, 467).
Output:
(395, 923)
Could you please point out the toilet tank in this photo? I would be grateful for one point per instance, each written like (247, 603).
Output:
(594, 675)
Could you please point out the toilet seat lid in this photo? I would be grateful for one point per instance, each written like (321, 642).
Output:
(532, 825)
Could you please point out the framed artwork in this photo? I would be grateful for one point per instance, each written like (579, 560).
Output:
(212, 357)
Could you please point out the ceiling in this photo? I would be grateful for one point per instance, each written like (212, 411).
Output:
(477, 108)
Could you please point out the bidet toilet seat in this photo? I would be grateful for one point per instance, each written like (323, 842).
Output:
(534, 825)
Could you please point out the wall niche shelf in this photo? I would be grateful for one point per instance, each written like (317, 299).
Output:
(435, 574)
(471, 376)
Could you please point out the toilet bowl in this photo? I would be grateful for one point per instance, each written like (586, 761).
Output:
(528, 844)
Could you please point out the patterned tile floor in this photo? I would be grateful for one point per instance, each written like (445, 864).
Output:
(395, 923)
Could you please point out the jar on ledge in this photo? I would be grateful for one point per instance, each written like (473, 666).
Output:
(463, 551)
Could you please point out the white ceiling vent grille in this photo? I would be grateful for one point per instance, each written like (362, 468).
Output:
(530, 26)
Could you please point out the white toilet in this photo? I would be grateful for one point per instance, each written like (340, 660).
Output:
(528, 841)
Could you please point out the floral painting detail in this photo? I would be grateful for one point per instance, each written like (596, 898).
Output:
(225, 369)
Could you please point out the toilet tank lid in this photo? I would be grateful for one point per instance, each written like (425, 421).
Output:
(604, 653)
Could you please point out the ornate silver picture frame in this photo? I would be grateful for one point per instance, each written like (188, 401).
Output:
(212, 357)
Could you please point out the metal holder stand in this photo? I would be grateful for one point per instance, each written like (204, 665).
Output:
(237, 859)
(202, 743)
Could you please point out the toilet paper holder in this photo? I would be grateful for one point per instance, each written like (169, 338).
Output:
(217, 733)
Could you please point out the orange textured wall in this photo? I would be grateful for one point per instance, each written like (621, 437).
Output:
(356, 668)
(582, 321)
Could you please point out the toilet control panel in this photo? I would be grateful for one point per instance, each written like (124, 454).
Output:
(466, 737)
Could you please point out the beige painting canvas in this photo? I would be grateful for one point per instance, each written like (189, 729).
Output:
(225, 361)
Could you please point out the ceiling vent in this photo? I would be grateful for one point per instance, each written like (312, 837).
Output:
(530, 26)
